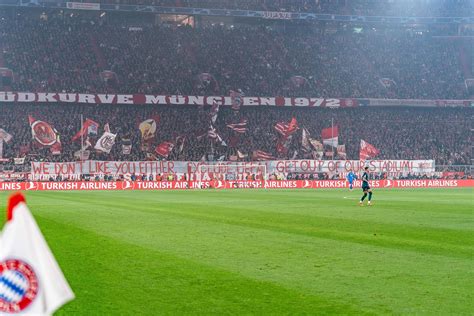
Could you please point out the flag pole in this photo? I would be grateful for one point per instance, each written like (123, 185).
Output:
(332, 136)
(82, 135)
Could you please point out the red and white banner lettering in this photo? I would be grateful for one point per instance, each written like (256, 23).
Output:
(116, 168)
(140, 99)
(85, 98)
(183, 185)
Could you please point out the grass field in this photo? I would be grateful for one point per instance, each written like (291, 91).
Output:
(262, 251)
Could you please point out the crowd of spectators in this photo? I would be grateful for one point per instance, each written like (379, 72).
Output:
(355, 7)
(63, 53)
(442, 134)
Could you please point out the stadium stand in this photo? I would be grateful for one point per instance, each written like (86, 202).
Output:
(71, 52)
(78, 52)
(359, 7)
(405, 133)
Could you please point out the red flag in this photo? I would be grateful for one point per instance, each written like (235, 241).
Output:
(281, 128)
(292, 127)
(330, 136)
(239, 128)
(282, 146)
(89, 127)
(367, 150)
(164, 149)
(287, 129)
(42, 132)
(260, 155)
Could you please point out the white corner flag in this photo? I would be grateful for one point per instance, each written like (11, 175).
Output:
(31, 281)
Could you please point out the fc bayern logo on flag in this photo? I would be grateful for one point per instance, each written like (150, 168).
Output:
(18, 286)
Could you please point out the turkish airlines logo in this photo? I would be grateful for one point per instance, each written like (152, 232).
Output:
(307, 184)
(219, 184)
(388, 183)
(127, 185)
(31, 186)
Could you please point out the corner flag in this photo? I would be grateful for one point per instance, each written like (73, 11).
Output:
(31, 282)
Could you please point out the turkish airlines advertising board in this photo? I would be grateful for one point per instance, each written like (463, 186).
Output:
(184, 185)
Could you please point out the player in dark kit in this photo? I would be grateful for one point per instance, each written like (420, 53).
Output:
(365, 187)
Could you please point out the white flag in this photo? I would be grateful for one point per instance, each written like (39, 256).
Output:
(5, 136)
(106, 142)
(31, 281)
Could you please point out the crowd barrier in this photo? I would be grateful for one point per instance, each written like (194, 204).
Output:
(269, 184)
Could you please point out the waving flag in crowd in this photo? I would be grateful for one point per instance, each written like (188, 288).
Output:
(147, 129)
(88, 128)
(239, 128)
(164, 149)
(341, 151)
(367, 151)
(4, 138)
(31, 281)
(261, 155)
(106, 141)
(311, 145)
(83, 153)
(281, 127)
(42, 132)
(330, 136)
(179, 141)
(282, 145)
(287, 129)
(305, 143)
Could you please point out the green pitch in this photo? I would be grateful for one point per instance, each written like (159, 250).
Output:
(262, 251)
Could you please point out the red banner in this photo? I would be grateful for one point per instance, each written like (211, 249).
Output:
(182, 185)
